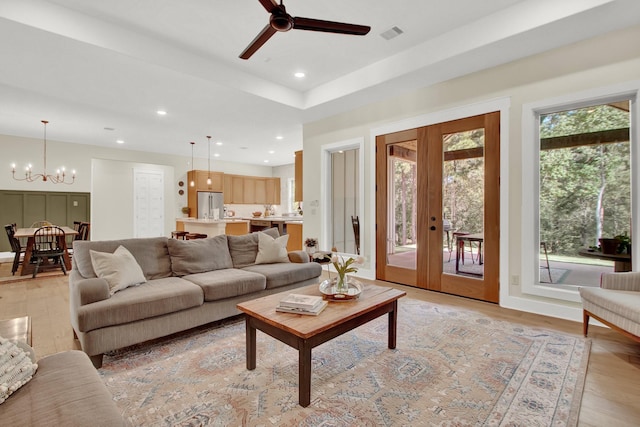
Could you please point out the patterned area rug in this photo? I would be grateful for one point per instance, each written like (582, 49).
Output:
(451, 367)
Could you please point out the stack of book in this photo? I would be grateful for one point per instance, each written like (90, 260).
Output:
(302, 304)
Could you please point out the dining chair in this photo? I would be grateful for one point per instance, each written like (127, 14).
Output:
(355, 222)
(83, 231)
(46, 247)
(16, 247)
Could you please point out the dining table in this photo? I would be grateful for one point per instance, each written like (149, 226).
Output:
(21, 233)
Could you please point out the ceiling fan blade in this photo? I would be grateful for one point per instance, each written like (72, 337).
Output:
(270, 5)
(329, 26)
(260, 39)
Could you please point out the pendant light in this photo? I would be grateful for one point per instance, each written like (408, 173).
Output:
(209, 161)
(59, 178)
(193, 172)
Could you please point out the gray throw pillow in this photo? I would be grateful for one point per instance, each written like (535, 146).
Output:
(244, 249)
(199, 255)
(120, 269)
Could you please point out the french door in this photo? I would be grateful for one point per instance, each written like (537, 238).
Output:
(437, 207)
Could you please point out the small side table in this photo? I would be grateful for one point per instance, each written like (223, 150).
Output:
(18, 329)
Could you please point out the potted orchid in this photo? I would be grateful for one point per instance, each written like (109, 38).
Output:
(343, 267)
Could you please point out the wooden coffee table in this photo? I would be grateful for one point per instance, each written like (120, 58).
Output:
(304, 332)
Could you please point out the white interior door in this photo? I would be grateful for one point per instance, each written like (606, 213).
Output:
(148, 203)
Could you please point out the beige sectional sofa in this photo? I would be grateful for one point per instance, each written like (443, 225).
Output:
(188, 284)
(616, 303)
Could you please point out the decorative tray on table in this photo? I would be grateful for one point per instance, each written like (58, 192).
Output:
(329, 293)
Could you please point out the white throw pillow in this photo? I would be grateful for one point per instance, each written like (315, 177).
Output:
(272, 250)
(16, 368)
(120, 269)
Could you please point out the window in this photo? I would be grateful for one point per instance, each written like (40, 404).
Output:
(582, 192)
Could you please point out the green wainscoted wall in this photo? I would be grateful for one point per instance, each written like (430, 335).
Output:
(26, 207)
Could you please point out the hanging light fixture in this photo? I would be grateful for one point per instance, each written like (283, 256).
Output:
(209, 162)
(59, 178)
(193, 172)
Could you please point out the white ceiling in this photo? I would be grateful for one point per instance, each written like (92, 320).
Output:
(87, 65)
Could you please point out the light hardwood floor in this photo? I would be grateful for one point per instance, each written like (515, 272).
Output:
(612, 388)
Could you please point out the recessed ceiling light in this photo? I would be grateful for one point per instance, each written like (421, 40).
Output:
(216, 155)
(266, 161)
(271, 152)
(299, 74)
(161, 113)
(279, 137)
(218, 143)
(120, 141)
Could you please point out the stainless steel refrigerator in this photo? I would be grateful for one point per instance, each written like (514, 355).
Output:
(210, 205)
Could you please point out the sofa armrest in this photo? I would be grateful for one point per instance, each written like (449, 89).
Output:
(299, 256)
(628, 281)
(86, 291)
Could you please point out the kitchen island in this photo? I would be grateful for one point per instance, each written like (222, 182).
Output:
(212, 227)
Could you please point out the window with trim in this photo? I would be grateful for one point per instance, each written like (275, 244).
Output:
(584, 192)
(578, 221)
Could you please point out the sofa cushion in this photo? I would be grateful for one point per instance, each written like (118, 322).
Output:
(151, 254)
(283, 274)
(66, 390)
(153, 298)
(17, 368)
(617, 307)
(272, 250)
(199, 255)
(244, 248)
(228, 283)
(120, 269)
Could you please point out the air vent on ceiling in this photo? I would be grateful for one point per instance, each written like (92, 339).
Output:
(391, 33)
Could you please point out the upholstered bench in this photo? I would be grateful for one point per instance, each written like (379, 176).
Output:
(616, 303)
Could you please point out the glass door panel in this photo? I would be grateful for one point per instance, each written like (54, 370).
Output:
(463, 202)
(402, 242)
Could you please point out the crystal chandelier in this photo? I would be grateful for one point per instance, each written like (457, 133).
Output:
(59, 178)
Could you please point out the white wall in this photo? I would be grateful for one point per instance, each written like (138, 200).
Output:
(603, 61)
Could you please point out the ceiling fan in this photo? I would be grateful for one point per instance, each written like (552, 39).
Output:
(280, 20)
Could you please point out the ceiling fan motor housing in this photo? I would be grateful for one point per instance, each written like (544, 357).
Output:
(281, 22)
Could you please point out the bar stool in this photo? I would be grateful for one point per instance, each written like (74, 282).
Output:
(179, 234)
(192, 236)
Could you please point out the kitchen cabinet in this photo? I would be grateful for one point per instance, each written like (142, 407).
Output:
(200, 178)
(237, 228)
(237, 189)
(298, 177)
(251, 190)
(294, 230)
(273, 191)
